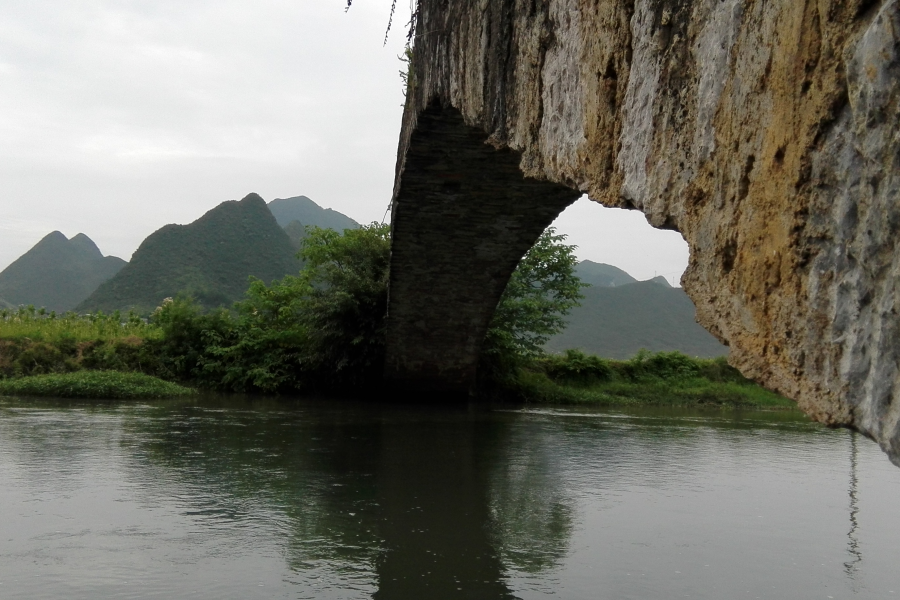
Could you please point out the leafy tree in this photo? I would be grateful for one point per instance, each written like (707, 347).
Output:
(541, 291)
(185, 342)
(323, 328)
(345, 281)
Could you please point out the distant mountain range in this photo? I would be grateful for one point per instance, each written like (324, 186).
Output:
(211, 259)
(57, 273)
(618, 317)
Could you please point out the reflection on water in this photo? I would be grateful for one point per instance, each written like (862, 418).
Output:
(235, 498)
(853, 540)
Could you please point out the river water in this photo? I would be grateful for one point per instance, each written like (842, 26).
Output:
(241, 498)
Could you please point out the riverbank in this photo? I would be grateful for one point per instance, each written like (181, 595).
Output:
(663, 379)
(103, 356)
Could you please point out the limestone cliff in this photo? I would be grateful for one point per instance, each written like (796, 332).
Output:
(766, 132)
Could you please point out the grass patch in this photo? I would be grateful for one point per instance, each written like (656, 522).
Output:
(663, 379)
(93, 384)
(37, 325)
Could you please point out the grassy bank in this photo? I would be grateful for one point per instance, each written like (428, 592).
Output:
(76, 355)
(92, 384)
(33, 342)
(663, 379)
(37, 325)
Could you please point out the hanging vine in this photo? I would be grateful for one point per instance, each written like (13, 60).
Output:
(411, 26)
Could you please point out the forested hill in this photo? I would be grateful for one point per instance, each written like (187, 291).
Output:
(295, 214)
(57, 273)
(211, 259)
(601, 274)
(295, 231)
(307, 212)
(616, 322)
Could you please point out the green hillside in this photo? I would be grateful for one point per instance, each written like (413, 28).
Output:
(57, 273)
(616, 322)
(602, 275)
(295, 231)
(211, 258)
(307, 212)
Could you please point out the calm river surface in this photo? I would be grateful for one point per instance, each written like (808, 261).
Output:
(236, 498)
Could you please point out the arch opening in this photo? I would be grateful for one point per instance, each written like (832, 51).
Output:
(624, 239)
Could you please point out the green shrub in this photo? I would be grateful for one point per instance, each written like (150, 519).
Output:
(186, 335)
(38, 358)
(718, 369)
(665, 378)
(92, 384)
(23, 357)
(575, 367)
(661, 365)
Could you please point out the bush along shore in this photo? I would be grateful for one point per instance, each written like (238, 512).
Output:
(93, 385)
(322, 331)
(662, 379)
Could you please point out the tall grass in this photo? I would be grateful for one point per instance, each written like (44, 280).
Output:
(38, 325)
(35, 342)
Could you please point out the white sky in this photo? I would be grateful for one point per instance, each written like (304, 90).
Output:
(118, 117)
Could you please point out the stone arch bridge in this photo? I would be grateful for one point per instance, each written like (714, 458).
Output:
(766, 132)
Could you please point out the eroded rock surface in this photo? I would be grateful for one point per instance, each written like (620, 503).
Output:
(766, 132)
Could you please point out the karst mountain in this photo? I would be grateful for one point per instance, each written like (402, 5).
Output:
(210, 259)
(57, 273)
(295, 214)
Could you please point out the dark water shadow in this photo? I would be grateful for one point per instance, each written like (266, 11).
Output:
(407, 494)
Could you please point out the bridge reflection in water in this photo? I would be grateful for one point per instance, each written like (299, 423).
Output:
(432, 510)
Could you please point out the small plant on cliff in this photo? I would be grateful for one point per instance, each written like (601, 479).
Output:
(406, 73)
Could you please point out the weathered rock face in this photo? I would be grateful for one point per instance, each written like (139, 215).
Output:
(766, 132)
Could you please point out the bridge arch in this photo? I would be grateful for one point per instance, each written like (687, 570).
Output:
(766, 133)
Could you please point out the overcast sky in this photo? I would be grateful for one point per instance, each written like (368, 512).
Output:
(118, 117)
